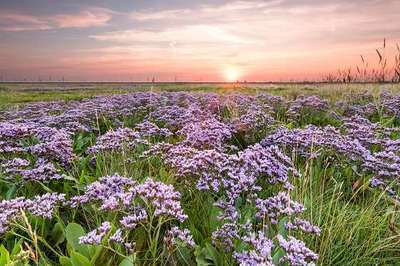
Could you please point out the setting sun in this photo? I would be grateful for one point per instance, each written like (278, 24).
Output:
(231, 74)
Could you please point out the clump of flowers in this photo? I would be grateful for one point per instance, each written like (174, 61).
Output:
(242, 176)
(296, 251)
(148, 129)
(48, 150)
(176, 236)
(137, 205)
(117, 140)
(94, 237)
(260, 252)
(309, 104)
(205, 134)
(41, 206)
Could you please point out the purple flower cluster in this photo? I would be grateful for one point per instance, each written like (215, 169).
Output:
(303, 225)
(353, 145)
(296, 251)
(209, 133)
(96, 236)
(163, 198)
(226, 235)
(148, 129)
(241, 175)
(117, 140)
(255, 118)
(308, 104)
(260, 251)
(310, 140)
(275, 207)
(176, 236)
(107, 191)
(132, 220)
(47, 149)
(10, 210)
(120, 193)
(135, 204)
(41, 206)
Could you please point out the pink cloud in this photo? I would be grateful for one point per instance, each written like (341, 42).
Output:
(20, 22)
(93, 17)
(87, 18)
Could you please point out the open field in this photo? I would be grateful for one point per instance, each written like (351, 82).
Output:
(206, 174)
(20, 93)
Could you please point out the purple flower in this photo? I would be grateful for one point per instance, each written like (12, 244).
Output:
(117, 237)
(308, 104)
(274, 207)
(117, 140)
(226, 235)
(304, 226)
(205, 134)
(132, 220)
(259, 252)
(108, 190)
(10, 210)
(163, 198)
(296, 251)
(44, 205)
(96, 236)
(149, 129)
(176, 236)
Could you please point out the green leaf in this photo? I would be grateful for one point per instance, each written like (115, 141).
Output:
(277, 256)
(4, 256)
(95, 252)
(214, 254)
(281, 227)
(208, 256)
(129, 261)
(65, 261)
(58, 233)
(72, 232)
(10, 192)
(78, 259)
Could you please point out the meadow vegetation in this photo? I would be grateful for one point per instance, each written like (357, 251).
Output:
(207, 175)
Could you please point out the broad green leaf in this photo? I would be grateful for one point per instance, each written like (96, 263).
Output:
(214, 255)
(72, 232)
(65, 261)
(58, 233)
(129, 261)
(277, 256)
(4, 256)
(78, 259)
(208, 256)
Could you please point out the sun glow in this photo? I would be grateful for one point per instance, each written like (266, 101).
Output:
(231, 74)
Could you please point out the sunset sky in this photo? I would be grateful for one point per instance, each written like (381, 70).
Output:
(123, 40)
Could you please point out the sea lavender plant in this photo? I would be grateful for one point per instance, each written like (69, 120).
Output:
(260, 251)
(97, 235)
(296, 251)
(309, 104)
(176, 236)
(117, 140)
